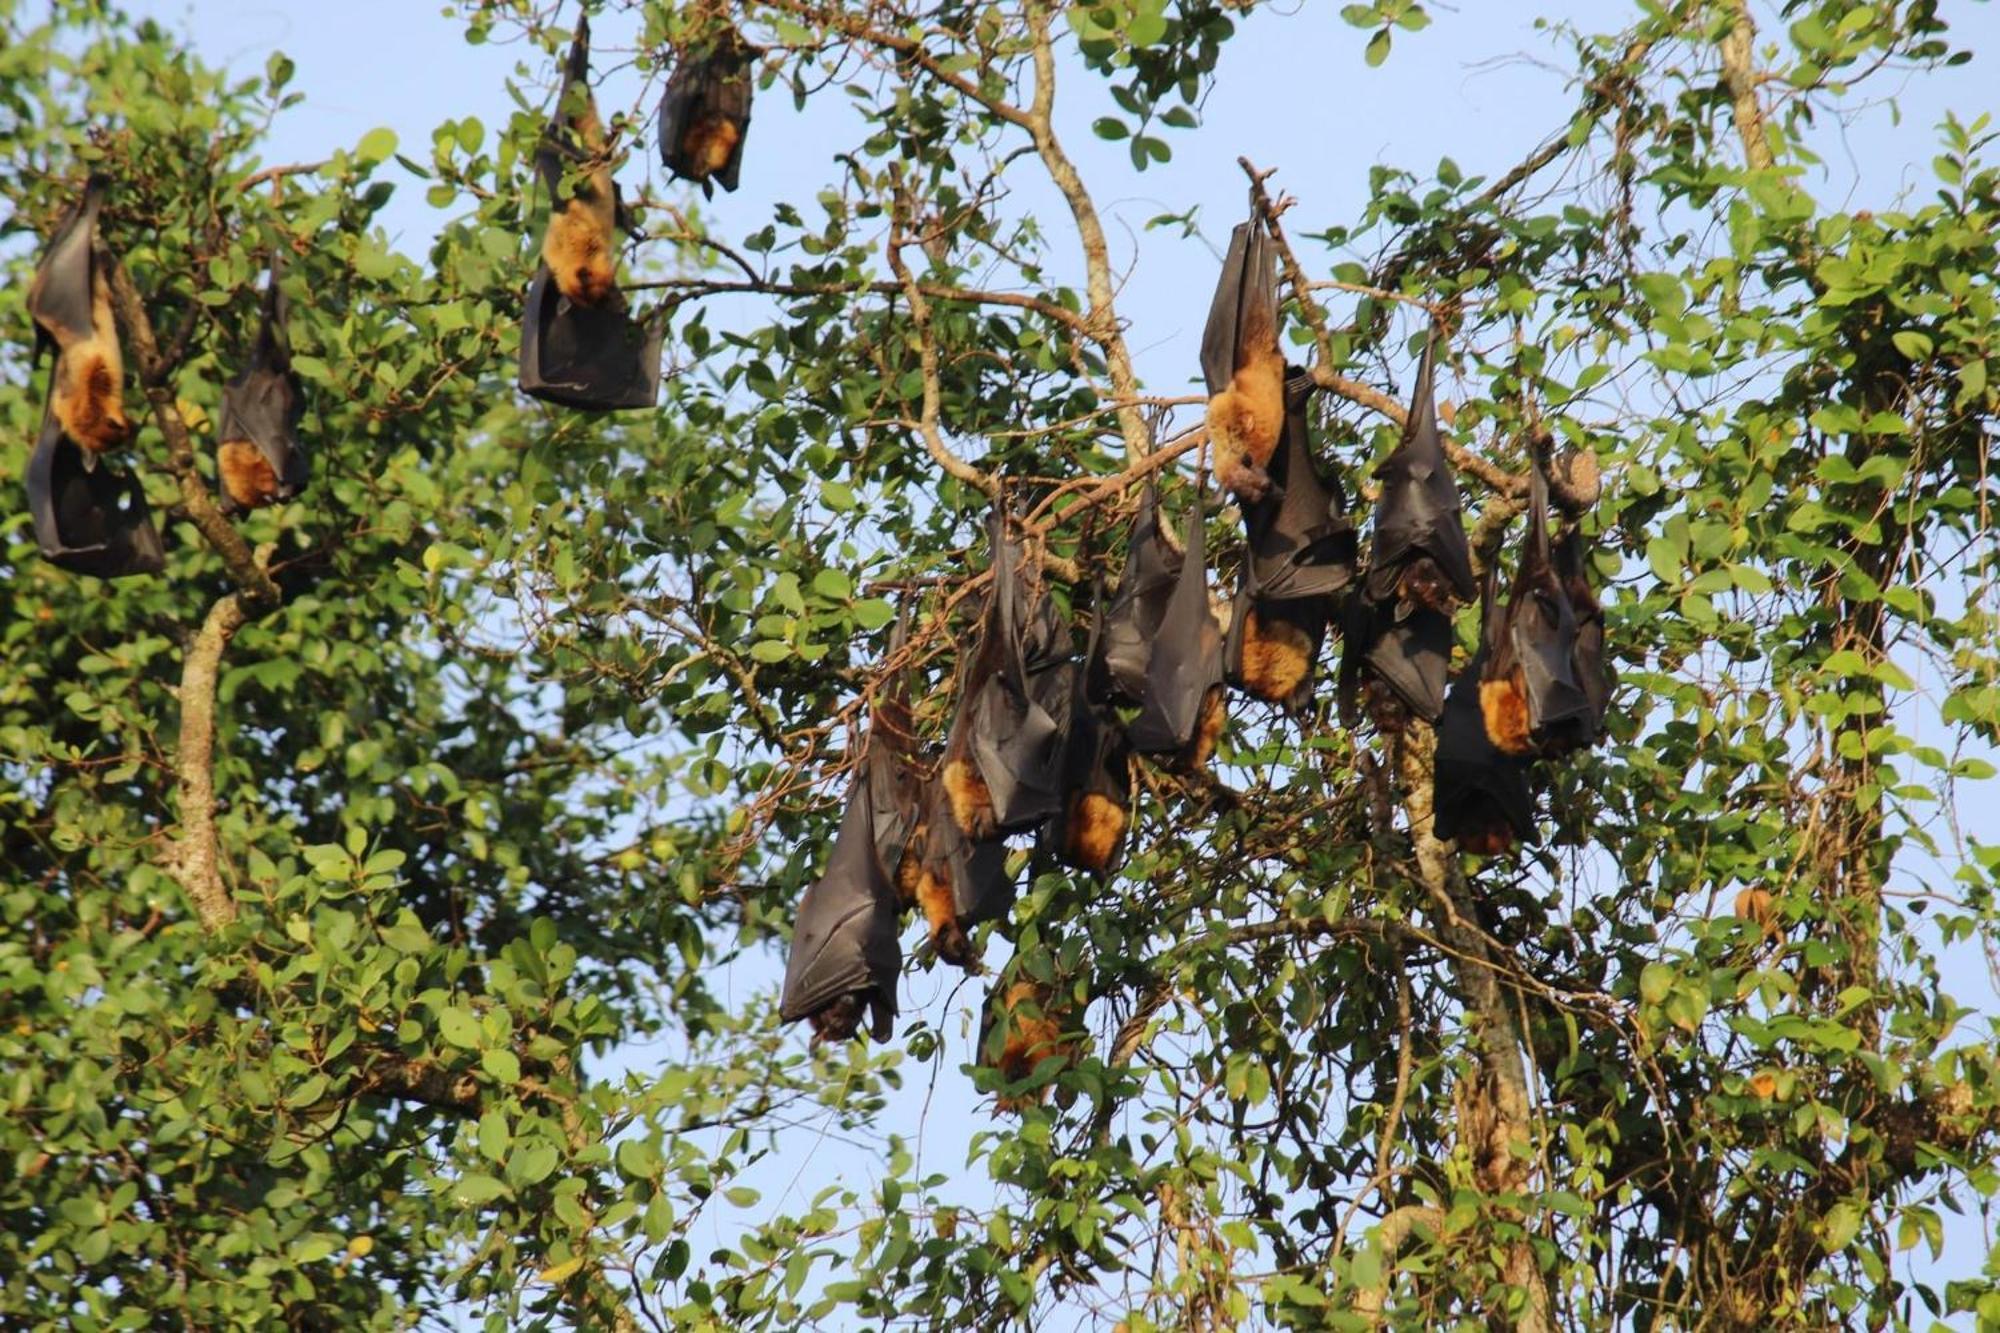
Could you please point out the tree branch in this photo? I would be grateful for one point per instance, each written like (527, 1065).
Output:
(193, 857)
(1103, 317)
(1739, 76)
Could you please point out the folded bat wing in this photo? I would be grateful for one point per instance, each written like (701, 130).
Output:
(1411, 655)
(1593, 669)
(1301, 541)
(59, 295)
(1477, 791)
(1152, 569)
(1540, 636)
(594, 358)
(92, 520)
(1017, 737)
(1418, 515)
(1245, 301)
(1186, 659)
(890, 763)
(844, 940)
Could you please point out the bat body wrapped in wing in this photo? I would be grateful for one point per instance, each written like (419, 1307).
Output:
(705, 112)
(1528, 687)
(1420, 555)
(259, 458)
(1593, 669)
(845, 958)
(1138, 605)
(1088, 833)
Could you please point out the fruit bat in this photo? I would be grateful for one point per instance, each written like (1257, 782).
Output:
(1242, 363)
(956, 881)
(1152, 568)
(1003, 762)
(1088, 833)
(70, 300)
(1300, 550)
(1420, 554)
(1025, 1022)
(845, 957)
(580, 347)
(1181, 712)
(87, 517)
(1479, 796)
(1593, 671)
(259, 459)
(1528, 689)
(705, 112)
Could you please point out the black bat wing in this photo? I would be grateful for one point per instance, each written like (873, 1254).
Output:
(1418, 514)
(844, 941)
(92, 520)
(1016, 739)
(1186, 660)
(1475, 787)
(597, 359)
(890, 762)
(1310, 616)
(1301, 542)
(59, 295)
(1152, 569)
(1412, 656)
(1245, 300)
(1541, 636)
(1593, 669)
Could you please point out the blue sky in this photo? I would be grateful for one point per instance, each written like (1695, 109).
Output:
(1481, 85)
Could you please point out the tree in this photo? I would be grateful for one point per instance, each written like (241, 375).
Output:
(341, 858)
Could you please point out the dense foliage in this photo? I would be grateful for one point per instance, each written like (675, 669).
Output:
(528, 727)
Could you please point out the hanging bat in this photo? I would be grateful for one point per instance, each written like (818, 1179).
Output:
(87, 517)
(1242, 363)
(705, 112)
(956, 881)
(1593, 671)
(1300, 551)
(580, 248)
(579, 345)
(1479, 796)
(1528, 690)
(1420, 555)
(1025, 1026)
(1146, 585)
(1182, 712)
(1003, 761)
(1088, 833)
(70, 300)
(845, 957)
(259, 459)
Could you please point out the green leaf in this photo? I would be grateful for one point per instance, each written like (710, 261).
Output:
(376, 145)
(1378, 48)
(459, 1026)
(469, 1191)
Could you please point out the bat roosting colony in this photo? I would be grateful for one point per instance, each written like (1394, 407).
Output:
(1042, 739)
